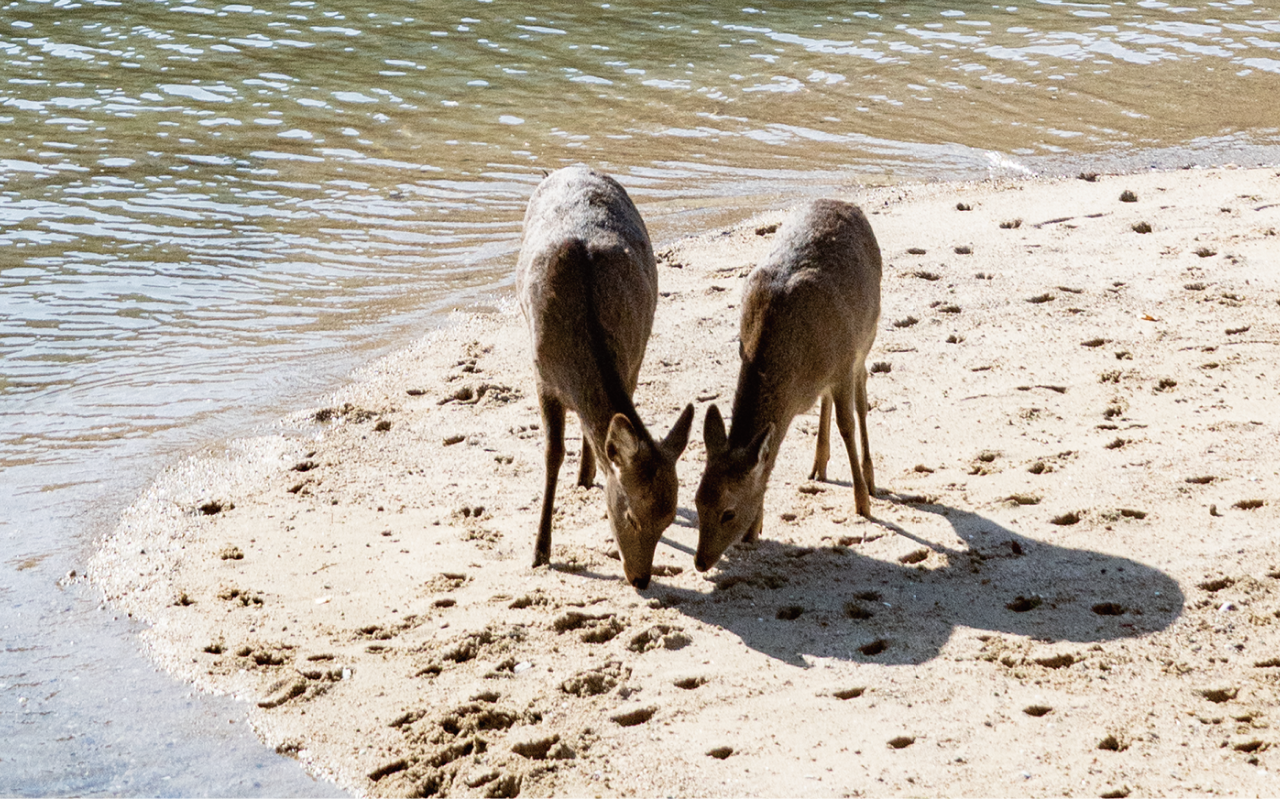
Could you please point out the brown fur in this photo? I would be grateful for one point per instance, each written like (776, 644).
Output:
(588, 287)
(809, 317)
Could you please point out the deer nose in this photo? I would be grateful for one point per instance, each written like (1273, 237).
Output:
(700, 563)
(641, 582)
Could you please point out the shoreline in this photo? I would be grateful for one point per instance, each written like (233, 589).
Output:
(379, 607)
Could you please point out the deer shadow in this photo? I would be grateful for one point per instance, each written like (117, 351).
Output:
(790, 602)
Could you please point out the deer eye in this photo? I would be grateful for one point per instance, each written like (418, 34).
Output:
(727, 516)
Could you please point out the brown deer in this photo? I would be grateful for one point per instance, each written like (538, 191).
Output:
(588, 287)
(809, 316)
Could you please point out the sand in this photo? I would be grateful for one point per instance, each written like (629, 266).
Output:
(1071, 584)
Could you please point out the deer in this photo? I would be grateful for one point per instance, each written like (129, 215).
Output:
(809, 315)
(588, 288)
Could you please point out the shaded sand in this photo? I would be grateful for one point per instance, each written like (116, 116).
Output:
(1071, 587)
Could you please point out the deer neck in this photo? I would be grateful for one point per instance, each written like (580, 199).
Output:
(758, 401)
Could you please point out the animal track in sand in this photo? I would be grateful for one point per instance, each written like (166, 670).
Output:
(1216, 584)
(855, 611)
(691, 682)
(536, 749)
(1113, 743)
(1057, 661)
(1021, 605)
(1037, 711)
(1248, 505)
(596, 681)
(899, 742)
(849, 694)
(790, 612)
(596, 628)
(915, 556)
(468, 647)
(633, 717)
(874, 648)
(668, 637)
(1108, 609)
(525, 601)
(1219, 695)
(720, 752)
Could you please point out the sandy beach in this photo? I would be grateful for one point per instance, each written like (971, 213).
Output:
(1071, 584)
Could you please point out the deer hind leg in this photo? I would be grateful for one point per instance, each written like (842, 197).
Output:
(844, 401)
(553, 428)
(860, 399)
(822, 453)
(587, 468)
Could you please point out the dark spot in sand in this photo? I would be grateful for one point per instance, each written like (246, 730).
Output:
(874, 648)
(1222, 695)
(1022, 604)
(1115, 745)
(790, 612)
(637, 716)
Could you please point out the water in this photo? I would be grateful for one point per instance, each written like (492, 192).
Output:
(210, 213)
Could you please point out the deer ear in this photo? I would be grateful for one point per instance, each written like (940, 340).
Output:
(762, 446)
(621, 443)
(678, 438)
(713, 431)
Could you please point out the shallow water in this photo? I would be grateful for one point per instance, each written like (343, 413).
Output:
(211, 212)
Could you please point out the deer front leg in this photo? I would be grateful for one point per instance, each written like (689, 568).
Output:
(822, 453)
(860, 399)
(587, 467)
(845, 421)
(553, 429)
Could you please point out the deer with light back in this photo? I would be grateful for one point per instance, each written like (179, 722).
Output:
(588, 287)
(809, 317)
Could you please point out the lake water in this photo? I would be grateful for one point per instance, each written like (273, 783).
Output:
(210, 213)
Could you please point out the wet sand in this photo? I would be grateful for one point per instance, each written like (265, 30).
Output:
(1071, 584)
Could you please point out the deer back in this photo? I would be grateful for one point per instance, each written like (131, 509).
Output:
(588, 286)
